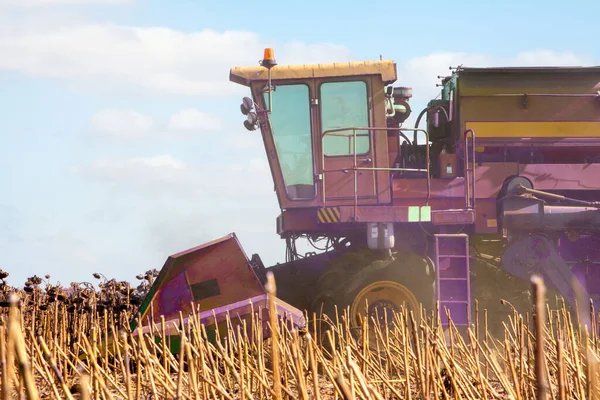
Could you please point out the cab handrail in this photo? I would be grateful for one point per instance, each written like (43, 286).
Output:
(355, 168)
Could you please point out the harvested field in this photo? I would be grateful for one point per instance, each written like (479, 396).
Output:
(50, 347)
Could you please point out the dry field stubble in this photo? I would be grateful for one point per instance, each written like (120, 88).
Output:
(45, 333)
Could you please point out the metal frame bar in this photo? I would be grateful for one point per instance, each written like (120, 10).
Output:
(470, 171)
(356, 168)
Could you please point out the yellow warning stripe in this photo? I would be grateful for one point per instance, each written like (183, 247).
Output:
(329, 215)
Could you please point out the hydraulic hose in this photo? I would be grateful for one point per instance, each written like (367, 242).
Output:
(417, 124)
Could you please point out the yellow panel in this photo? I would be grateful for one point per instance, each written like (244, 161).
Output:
(520, 90)
(535, 129)
(385, 68)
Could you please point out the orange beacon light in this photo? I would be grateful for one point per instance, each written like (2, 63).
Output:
(268, 60)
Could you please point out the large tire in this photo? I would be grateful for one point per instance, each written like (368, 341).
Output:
(407, 280)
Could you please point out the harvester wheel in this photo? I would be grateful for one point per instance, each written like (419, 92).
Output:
(387, 285)
(380, 300)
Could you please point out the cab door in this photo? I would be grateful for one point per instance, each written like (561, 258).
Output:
(343, 105)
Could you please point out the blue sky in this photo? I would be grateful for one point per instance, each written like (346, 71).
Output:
(122, 137)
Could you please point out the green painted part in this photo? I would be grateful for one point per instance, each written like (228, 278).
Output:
(145, 304)
(399, 108)
(426, 214)
(174, 344)
(449, 86)
(158, 282)
(211, 334)
(413, 214)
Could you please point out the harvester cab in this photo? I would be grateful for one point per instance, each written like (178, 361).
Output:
(313, 122)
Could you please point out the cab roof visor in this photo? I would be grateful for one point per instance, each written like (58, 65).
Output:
(384, 68)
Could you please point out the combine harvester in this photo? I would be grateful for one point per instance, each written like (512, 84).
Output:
(498, 179)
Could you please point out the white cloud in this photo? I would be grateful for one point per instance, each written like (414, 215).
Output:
(246, 140)
(162, 161)
(121, 123)
(166, 173)
(136, 171)
(298, 52)
(130, 124)
(147, 60)
(49, 3)
(549, 58)
(193, 120)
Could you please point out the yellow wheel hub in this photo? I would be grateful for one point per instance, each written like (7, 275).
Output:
(382, 297)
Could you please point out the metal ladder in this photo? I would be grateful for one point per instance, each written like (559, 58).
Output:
(453, 283)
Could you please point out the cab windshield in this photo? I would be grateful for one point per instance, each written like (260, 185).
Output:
(291, 128)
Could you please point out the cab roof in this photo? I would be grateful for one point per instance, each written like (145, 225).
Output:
(246, 75)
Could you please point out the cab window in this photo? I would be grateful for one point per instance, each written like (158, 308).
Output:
(291, 129)
(344, 105)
